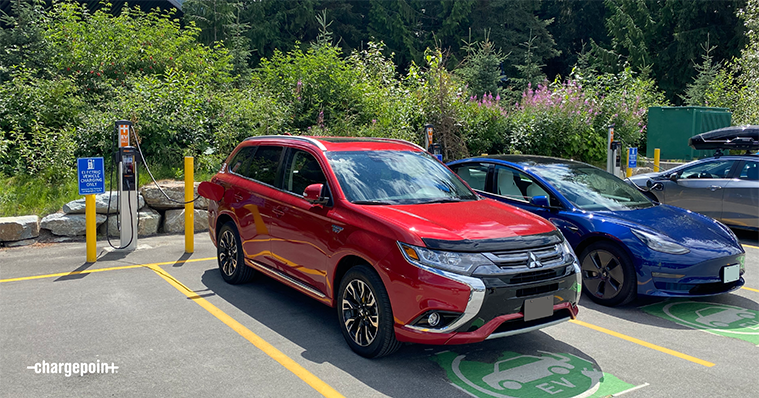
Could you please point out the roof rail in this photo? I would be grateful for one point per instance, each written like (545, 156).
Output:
(400, 141)
(290, 137)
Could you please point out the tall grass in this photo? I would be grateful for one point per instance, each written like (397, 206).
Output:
(43, 194)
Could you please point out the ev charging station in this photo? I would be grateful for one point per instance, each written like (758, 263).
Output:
(432, 147)
(613, 155)
(128, 205)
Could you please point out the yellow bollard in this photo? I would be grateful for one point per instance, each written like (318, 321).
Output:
(90, 228)
(189, 208)
(628, 169)
(657, 154)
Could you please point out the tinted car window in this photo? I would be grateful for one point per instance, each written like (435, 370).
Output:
(750, 171)
(474, 174)
(718, 169)
(302, 170)
(396, 177)
(242, 159)
(257, 162)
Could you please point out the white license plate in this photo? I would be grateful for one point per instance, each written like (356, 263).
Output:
(731, 273)
(537, 308)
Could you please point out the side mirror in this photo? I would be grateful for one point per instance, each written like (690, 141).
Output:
(211, 191)
(313, 194)
(673, 177)
(540, 201)
(656, 186)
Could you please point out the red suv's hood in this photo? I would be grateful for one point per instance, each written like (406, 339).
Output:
(480, 219)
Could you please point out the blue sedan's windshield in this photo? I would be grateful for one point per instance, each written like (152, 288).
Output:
(396, 177)
(590, 188)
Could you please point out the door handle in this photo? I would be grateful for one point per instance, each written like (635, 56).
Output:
(238, 197)
(714, 188)
(279, 212)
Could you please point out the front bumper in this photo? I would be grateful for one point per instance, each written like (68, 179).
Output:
(496, 309)
(699, 280)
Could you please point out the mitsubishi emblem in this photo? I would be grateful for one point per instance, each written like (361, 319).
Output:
(533, 261)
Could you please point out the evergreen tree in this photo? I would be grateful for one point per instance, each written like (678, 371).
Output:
(664, 35)
(695, 93)
(481, 68)
(511, 24)
(576, 25)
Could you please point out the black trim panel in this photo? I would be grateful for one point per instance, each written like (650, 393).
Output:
(492, 245)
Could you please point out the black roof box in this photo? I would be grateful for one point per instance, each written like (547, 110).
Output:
(733, 137)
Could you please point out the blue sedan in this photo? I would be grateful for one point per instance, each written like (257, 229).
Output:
(627, 244)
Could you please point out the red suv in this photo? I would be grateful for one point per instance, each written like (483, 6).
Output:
(384, 232)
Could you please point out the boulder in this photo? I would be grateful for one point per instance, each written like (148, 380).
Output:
(19, 228)
(101, 204)
(175, 191)
(19, 243)
(174, 221)
(62, 224)
(148, 221)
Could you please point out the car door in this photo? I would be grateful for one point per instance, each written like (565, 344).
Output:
(699, 187)
(741, 196)
(302, 233)
(250, 197)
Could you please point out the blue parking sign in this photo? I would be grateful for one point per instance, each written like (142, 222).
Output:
(633, 158)
(91, 175)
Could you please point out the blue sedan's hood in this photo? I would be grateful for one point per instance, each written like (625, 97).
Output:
(682, 226)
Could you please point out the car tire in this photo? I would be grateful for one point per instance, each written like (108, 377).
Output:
(230, 256)
(364, 313)
(608, 277)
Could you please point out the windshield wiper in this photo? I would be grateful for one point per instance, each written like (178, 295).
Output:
(446, 200)
(371, 202)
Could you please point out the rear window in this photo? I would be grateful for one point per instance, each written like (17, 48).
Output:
(259, 163)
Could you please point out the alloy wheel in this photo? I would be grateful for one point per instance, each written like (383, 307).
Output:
(602, 274)
(360, 312)
(228, 253)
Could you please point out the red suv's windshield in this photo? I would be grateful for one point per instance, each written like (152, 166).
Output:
(396, 177)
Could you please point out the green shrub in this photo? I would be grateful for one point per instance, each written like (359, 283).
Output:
(37, 124)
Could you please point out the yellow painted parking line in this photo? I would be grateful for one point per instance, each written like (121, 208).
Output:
(289, 364)
(90, 271)
(753, 247)
(643, 343)
(753, 290)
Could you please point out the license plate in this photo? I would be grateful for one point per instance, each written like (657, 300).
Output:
(731, 273)
(537, 308)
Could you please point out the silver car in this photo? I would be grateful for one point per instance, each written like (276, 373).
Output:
(725, 188)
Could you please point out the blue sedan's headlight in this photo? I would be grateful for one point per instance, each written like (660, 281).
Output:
(660, 243)
(728, 231)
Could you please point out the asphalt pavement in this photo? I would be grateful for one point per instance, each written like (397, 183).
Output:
(160, 322)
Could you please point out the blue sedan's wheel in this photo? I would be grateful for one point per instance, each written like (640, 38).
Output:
(608, 277)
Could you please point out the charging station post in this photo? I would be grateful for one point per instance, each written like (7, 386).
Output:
(128, 205)
(189, 206)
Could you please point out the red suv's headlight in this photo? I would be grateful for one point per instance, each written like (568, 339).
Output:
(460, 263)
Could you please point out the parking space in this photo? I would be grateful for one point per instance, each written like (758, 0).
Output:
(172, 327)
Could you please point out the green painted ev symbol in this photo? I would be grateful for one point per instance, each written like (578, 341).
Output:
(526, 376)
(721, 319)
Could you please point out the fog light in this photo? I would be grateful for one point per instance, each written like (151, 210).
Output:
(434, 319)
